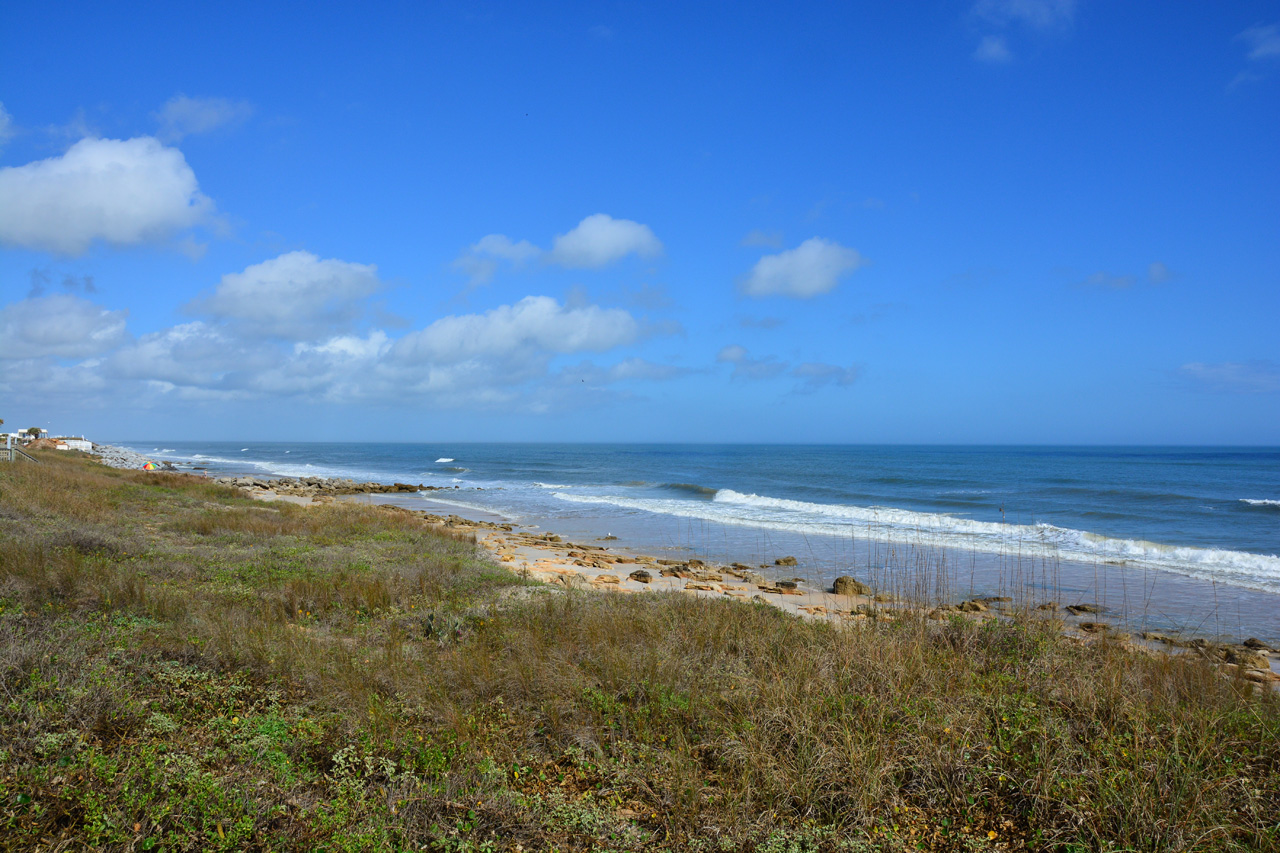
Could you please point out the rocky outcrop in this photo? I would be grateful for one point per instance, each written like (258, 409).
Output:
(318, 486)
(846, 585)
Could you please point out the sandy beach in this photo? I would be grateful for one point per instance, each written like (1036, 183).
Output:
(603, 567)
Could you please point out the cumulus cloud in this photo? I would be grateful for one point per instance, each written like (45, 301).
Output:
(599, 240)
(814, 267)
(122, 191)
(191, 354)
(1233, 377)
(535, 324)
(295, 296)
(993, 49)
(62, 325)
(1159, 273)
(480, 260)
(183, 116)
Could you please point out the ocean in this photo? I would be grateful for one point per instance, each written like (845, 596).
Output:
(1161, 537)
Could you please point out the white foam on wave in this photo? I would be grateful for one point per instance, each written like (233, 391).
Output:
(443, 459)
(552, 486)
(280, 468)
(1260, 502)
(926, 529)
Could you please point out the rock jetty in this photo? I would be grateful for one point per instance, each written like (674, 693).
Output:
(311, 487)
(119, 457)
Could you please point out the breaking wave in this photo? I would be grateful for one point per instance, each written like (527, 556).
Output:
(938, 530)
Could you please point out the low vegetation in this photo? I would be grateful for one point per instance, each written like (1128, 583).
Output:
(183, 669)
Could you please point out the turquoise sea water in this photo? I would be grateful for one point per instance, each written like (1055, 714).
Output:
(1182, 536)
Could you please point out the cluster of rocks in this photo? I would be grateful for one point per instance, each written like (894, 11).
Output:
(119, 457)
(451, 522)
(319, 486)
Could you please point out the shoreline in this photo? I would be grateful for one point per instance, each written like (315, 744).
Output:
(549, 558)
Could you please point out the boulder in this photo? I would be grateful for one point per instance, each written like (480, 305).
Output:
(785, 561)
(1255, 643)
(846, 585)
(641, 576)
(1077, 609)
(1247, 658)
(974, 606)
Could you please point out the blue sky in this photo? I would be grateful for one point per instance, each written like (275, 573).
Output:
(1003, 221)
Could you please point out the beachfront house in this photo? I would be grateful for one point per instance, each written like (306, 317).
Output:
(82, 444)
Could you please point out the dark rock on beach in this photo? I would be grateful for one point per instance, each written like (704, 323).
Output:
(846, 585)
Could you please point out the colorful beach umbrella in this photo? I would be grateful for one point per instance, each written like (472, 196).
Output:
(150, 466)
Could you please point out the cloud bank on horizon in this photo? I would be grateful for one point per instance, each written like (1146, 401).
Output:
(942, 242)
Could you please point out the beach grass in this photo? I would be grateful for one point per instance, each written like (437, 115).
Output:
(182, 668)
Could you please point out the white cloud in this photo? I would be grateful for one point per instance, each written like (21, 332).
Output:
(535, 324)
(1263, 42)
(191, 354)
(1159, 273)
(1036, 14)
(627, 370)
(123, 191)
(6, 125)
(295, 296)
(182, 116)
(1233, 377)
(641, 369)
(348, 346)
(600, 240)
(480, 260)
(61, 325)
(812, 268)
(993, 49)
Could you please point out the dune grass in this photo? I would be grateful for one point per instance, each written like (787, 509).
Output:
(184, 669)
